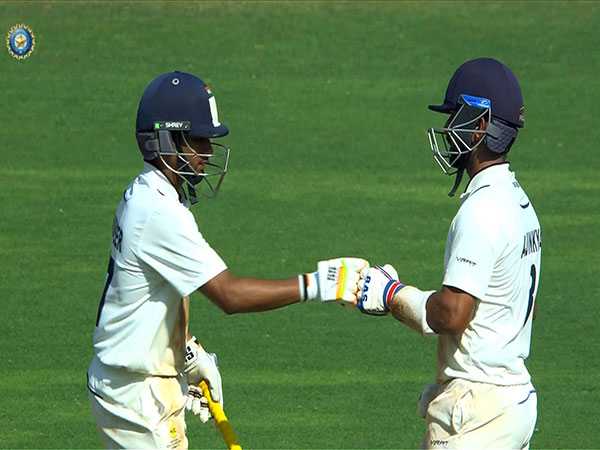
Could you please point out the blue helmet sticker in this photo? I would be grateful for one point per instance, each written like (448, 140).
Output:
(477, 102)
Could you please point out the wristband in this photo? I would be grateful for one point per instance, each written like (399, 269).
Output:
(390, 291)
(302, 287)
(308, 285)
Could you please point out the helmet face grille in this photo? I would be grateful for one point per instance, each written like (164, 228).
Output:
(214, 165)
(204, 167)
(456, 138)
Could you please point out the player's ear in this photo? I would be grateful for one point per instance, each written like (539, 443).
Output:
(482, 125)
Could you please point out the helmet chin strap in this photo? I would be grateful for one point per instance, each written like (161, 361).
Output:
(192, 197)
(457, 180)
(461, 162)
(190, 181)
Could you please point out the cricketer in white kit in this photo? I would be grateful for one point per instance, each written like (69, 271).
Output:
(146, 366)
(482, 315)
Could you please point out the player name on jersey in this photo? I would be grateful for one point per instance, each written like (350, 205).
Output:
(532, 242)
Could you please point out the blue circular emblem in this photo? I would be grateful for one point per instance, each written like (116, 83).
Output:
(20, 41)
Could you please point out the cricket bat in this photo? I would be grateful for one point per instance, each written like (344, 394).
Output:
(221, 420)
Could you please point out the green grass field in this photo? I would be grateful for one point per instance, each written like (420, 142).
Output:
(326, 103)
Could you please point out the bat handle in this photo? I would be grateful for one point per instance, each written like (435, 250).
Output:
(220, 419)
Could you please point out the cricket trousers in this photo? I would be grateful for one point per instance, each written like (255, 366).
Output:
(469, 415)
(137, 411)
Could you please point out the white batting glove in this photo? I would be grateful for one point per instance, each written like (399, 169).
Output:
(197, 404)
(200, 365)
(377, 285)
(335, 279)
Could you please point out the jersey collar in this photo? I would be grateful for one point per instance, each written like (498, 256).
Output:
(487, 177)
(159, 181)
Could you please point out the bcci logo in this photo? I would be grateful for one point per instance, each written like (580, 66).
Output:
(20, 41)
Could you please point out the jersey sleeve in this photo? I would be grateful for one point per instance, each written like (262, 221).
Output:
(472, 251)
(174, 247)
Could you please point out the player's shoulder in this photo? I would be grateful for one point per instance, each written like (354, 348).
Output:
(481, 205)
(500, 206)
(484, 214)
(145, 200)
(493, 192)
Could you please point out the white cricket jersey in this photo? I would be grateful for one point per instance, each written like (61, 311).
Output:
(157, 257)
(493, 252)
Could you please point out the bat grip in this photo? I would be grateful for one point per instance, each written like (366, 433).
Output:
(220, 419)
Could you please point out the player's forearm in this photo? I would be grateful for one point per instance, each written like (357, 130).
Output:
(408, 306)
(251, 295)
(239, 295)
(447, 311)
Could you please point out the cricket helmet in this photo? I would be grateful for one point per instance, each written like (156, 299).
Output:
(480, 88)
(175, 107)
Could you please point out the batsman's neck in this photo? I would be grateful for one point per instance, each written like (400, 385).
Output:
(481, 158)
(168, 173)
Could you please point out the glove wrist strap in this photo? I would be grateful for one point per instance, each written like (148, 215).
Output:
(390, 291)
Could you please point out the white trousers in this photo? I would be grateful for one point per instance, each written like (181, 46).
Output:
(134, 411)
(470, 415)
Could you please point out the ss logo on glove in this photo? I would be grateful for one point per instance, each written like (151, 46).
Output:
(364, 297)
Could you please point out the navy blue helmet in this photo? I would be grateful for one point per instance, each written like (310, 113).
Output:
(180, 97)
(487, 78)
(177, 107)
(480, 88)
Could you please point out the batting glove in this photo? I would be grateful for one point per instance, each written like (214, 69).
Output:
(335, 280)
(197, 404)
(377, 285)
(200, 365)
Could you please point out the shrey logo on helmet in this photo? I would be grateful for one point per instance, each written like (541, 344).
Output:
(174, 126)
(177, 107)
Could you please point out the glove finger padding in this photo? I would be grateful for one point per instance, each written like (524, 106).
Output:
(338, 278)
(350, 291)
(197, 404)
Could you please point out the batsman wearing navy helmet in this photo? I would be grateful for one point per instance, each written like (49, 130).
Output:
(482, 314)
(146, 366)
